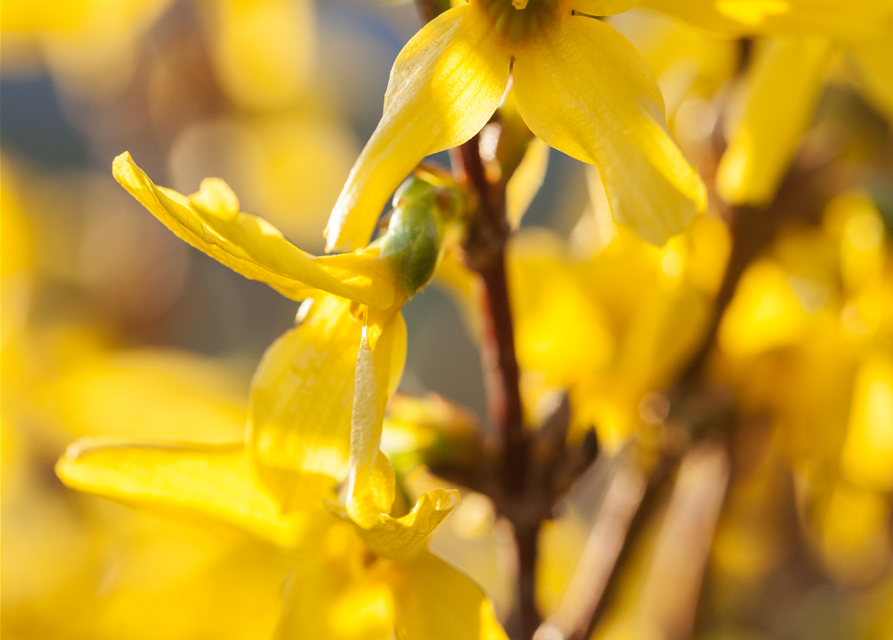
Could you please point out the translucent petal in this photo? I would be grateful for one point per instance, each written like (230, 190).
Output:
(402, 538)
(586, 91)
(603, 7)
(211, 222)
(303, 394)
(445, 85)
(434, 601)
(209, 484)
(301, 399)
(764, 140)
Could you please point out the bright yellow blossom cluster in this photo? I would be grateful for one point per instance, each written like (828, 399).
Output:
(689, 415)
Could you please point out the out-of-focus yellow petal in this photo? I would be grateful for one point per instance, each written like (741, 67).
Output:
(402, 538)
(445, 85)
(209, 484)
(263, 52)
(524, 184)
(765, 139)
(211, 222)
(586, 91)
(559, 329)
(434, 601)
(874, 68)
(328, 595)
(301, 400)
(867, 456)
(846, 19)
(765, 313)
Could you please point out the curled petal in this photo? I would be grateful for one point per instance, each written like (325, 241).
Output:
(763, 142)
(586, 91)
(209, 484)
(445, 85)
(434, 601)
(211, 222)
(402, 538)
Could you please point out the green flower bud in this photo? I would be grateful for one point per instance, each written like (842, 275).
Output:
(415, 231)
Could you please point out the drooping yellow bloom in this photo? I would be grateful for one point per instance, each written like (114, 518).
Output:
(319, 395)
(580, 86)
(315, 420)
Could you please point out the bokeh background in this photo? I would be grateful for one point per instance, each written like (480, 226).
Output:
(111, 325)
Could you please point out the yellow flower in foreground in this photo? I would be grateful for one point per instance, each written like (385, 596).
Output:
(319, 395)
(315, 420)
(580, 86)
(348, 581)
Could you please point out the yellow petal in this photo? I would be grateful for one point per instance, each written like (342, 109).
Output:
(377, 375)
(263, 52)
(586, 91)
(329, 595)
(208, 484)
(764, 141)
(250, 245)
(603, 7)
(445, 85)
(874, 67)
(402, 538)
(434, 601)
(867, 456)
(840, 18)
(526, 181)
(301, 399)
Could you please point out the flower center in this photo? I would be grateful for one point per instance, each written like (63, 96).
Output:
(517, 20)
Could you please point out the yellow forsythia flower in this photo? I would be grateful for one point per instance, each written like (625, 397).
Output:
(580, 86)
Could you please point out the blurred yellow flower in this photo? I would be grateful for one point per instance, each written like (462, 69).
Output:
(580, 86)
(802, 38)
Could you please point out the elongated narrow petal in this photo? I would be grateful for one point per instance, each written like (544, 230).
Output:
(204, 483)
(376, 377)
(211, 222)
(444, 86)
(525, 183)
(765, 139)
(585, 90)
(434, 601)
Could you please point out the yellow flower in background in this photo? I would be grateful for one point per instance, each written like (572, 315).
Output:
(802, 40)
(580, 87)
